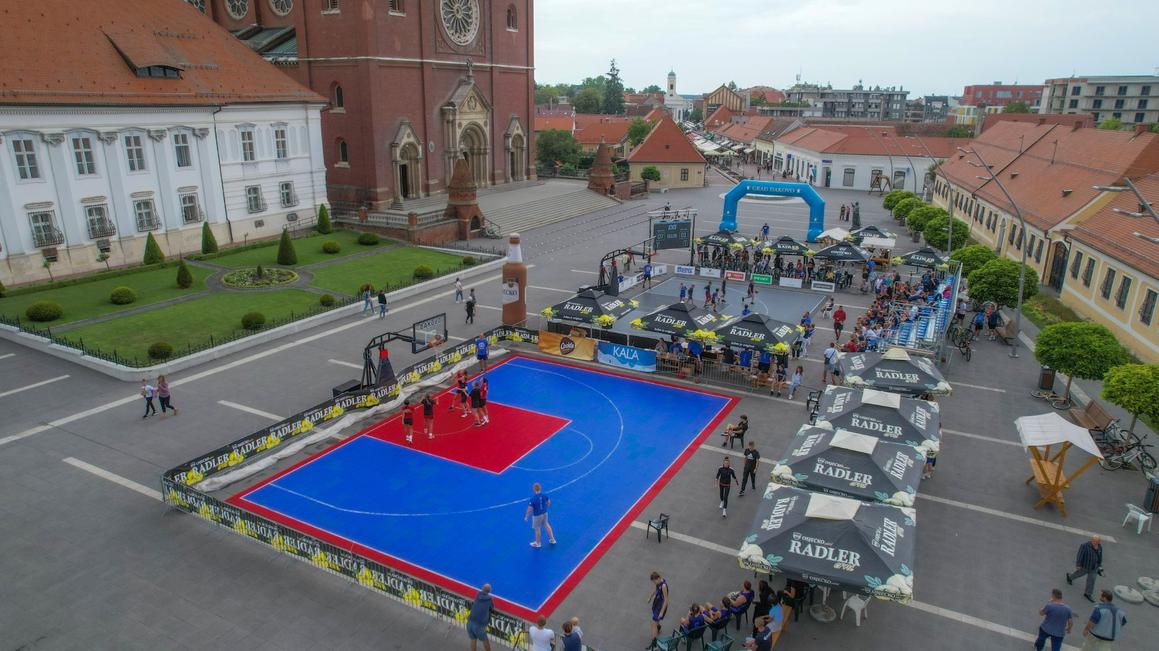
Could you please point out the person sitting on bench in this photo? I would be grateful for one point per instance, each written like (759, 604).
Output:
(736, 430)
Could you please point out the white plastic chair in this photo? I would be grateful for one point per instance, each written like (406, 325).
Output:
(1140, 516)
(858, 605)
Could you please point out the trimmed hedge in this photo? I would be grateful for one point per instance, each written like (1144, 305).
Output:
(253, 320)
(331, 247)
(160, 350)
(153, 254)
(469, 261)
(208, 241)
(326, 300)
(423, 272)
(287, 256)
(44, 311)
(323, 226)
(368, 239)
(122, 295)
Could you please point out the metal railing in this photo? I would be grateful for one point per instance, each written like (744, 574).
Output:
(47, 236)
(101, 228)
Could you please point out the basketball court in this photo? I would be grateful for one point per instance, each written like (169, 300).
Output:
(450, 510)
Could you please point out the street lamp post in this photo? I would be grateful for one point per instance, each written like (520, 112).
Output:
(950, 225)
(1022, 233)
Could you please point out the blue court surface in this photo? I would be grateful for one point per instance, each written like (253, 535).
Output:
(605, 444)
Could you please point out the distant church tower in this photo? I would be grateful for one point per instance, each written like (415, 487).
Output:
(675, 104)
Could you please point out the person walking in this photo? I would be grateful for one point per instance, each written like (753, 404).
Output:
(725, 478)
(659, 599)
(1057, 620)
(481, 609)
(1103, 627)
(683, 292)
(707, 294)
(1088, 561)
(724, 285)
(367, 296)
(471, 307)
(838, 322)
(692, 294)
(751, 457)
(458, 291)
(537, 511)
(382, 303)
(148, 391)
(830, 356)
(164, 396)
(765, 231)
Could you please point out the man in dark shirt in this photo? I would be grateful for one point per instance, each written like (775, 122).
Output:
(751, 456)
(725, 478)
(479, 618)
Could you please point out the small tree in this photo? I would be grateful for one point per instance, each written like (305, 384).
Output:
(1113, 124)
(153, 254)
(902, 208)
(1080, 349)
(556, 145)
(104, 257)
(324, 227)
(638, 130)
(588, 100)
(287, 256)
(184, 277)
(918, 217)
(997, 282)
(959, 131)
(1016, 107)
(935, 231)
(650, 173)
(696, 115)
(973, 257)
(893, 197)
(1134, 387)
(208, 241)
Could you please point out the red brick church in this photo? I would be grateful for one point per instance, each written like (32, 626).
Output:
(413, 85)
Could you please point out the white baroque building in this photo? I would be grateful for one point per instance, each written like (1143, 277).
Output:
(92, 168)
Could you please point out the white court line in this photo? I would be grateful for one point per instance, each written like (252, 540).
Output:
(7, 356)
(917, 605)
(116, 479)
(581, 271)
(60, 422)
(344, 363)
(546, 289)
(1016, 517)
(487, 307)
(34, 385)
(975, 386)
(251, 410)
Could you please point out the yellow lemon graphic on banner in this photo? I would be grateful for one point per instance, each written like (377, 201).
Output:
(235, 458)
(335, 412)
(366, 577)
(272, 441)
(493, 339)
(412, 597)
(278, 543)
(193, 476)
(371, 401)
(456, 357)
(414, 376)
(319, 558)
(436, 367)
(306, 425)
(240, 527)
(173, 497)
(206, 512)
(461, 616)
(516, 337)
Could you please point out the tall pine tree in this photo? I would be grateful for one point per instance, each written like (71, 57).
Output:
(614, 91)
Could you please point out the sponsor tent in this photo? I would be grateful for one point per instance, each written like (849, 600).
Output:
(833, 542)
(887, 416)
(785, 245)
(836, 234)
(842, 252)
(894, 370)
(871, 231)
(757, 331)
(925, 257)
(724, 238)
(676, 319)
(1039, 434)
(589, 304)
(840, 462)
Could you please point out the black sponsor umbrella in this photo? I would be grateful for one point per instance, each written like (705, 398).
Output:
(676, 319)
(887, 416)
(843, 463)
(589, 304)
(757, 331)
(785, 245)
(836, 542)
(724, 238)
(894, 370)
(925, 257)
(871, 231)
(842, 252)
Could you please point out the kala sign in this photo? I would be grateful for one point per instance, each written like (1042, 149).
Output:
(636, 359)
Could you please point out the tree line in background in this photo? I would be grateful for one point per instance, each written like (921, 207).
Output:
(599, 94)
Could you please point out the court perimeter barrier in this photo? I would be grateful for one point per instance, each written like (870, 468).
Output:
(179, 490)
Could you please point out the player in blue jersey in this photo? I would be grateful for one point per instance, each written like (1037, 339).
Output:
(537, 511)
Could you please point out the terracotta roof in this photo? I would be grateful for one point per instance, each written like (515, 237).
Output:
(666, 143)
(108, 41)
(1068, 119)
(778, 127)
(1113, 233)
(868, 141)
(561, 122)
(656, 114)
(1049, 168)
(609, 130)
(772, 95)
(585, 120)
(718, 118)
(747, 130)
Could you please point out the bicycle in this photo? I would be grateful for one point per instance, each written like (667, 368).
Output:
(966, 346)
(1057, 401)
(1129, 455)
(1113, 439)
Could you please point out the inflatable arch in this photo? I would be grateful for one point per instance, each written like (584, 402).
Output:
(776, 189)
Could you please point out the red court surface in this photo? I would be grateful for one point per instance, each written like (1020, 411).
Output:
(511, 434)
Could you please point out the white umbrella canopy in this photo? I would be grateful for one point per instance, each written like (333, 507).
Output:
(1052, 429)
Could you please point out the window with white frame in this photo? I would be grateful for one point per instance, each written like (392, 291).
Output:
(281, 145)
(145, 215)
(135, 153)
(44, 231)
(82, 151)
(190, 211)
(847, 177)
(248, 154)
(1076, 265)
(683, 173)
(26, 165)
(397, 7)
(253, 199)
(181, 150)
(330, 6)
(289, 197)
(97, 219)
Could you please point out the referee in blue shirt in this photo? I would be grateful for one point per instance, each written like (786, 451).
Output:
(537, 511)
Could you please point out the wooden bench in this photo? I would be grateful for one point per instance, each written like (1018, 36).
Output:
(1092, 416)
(1005, 332)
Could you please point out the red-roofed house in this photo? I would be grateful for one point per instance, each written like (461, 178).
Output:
(610, 129)
(560, 122)
(667, 148)
(720, 117)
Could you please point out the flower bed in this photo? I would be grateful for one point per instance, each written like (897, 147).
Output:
(249, 279)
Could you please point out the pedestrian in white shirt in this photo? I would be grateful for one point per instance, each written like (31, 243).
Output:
(541, 637)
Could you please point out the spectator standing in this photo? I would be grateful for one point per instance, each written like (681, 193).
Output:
(481, 353)
(1057, 620)
(480, 616)
(458, 291)
(1088, 561)
(795, 381)
(542, 638)
(572, 637)
(830, 356)
(147, 392)
(367, 295)
(659, 599)
(838, 322)
(647, 275)
(751, 457)
(470, 307)
(382, 303)
(725, 478)
(1107, 620)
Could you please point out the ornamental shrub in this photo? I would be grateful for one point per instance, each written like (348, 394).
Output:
(326, 300)
(469, 261)
(918, 217)
(160, 350)
(369, 239)
(423, 272)
(903, 207)
(287, 256)
(153, 254)
(122, 295)
(184, 277)
(331, 247)
(208, 241)
(324, 227)
(253, 320)
(893, 197)
(42, 311)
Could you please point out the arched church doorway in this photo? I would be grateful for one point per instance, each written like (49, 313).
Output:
(473, 145)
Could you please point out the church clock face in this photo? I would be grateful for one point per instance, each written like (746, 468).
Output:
(461, 20)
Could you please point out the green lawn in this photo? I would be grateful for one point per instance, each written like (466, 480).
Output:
(389, 268)
(309, 250)
(191, 322)
(87, 300)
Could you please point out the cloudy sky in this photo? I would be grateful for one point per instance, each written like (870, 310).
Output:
(926, 47)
